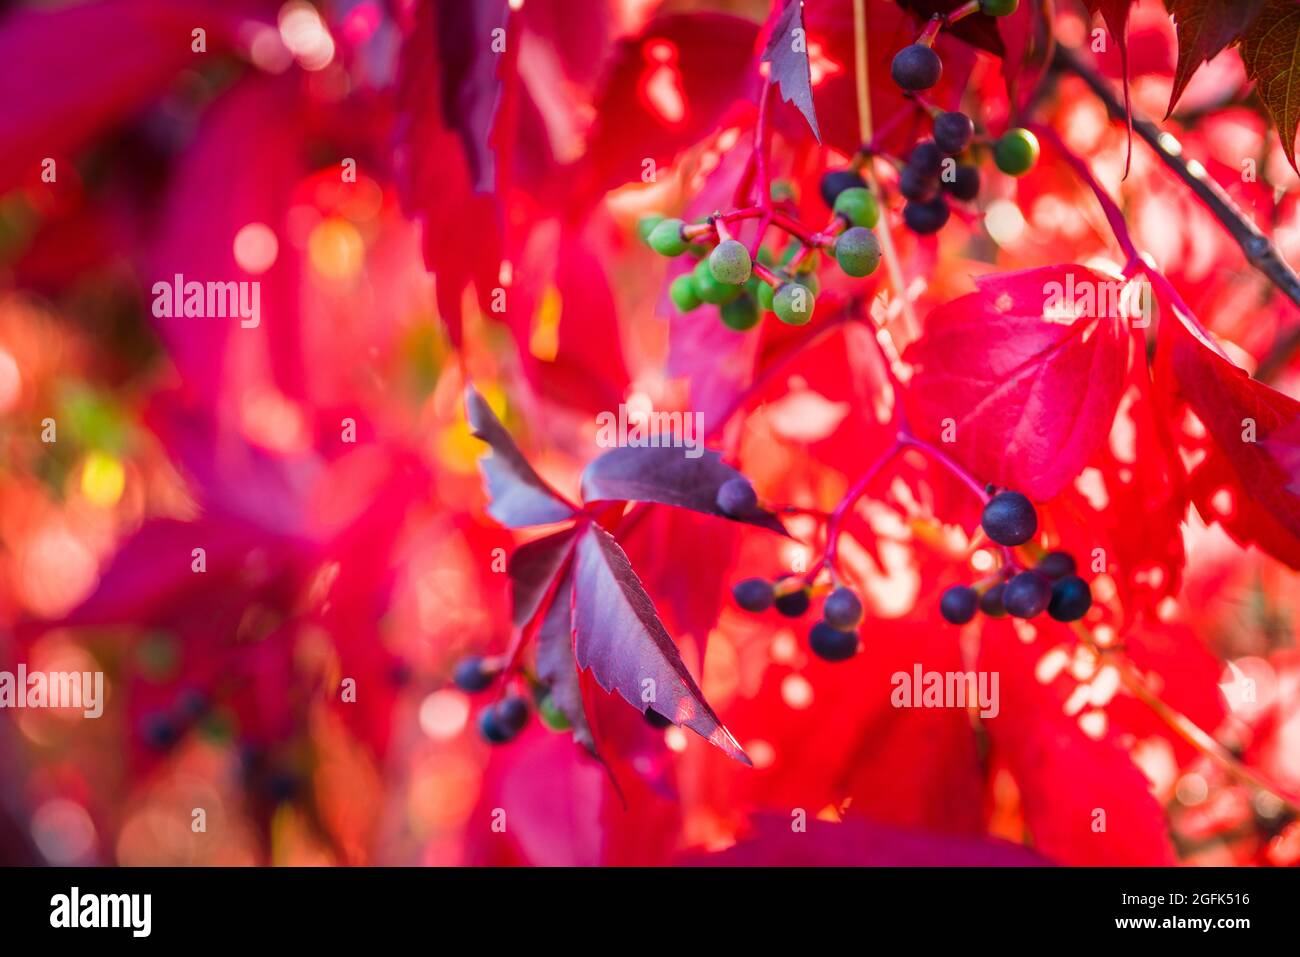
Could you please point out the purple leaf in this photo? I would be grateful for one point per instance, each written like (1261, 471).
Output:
(533, 568)
(787, 51)
(519, 496)
(665, 475)
(622, 641)
(556, 666)
(471, 78)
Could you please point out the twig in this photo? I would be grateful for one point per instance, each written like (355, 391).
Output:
(1255, 246)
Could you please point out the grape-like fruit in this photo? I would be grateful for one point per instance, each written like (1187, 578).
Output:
(842, 609)
(1027, 594)
(1056, 565)
(916, 185)
(765, 294)
(491, 729)
(1016, 152)
(709, 289)
(927, 158)
(916, 67)
(730, 263)
(837, 181)
(551, 715)
(740, 314)
(1009, 519)
(512, 714)
(858, 207)
(754, 594)
(832, 644)
(737, 498)
(964, 183)
(793, 304)
(953, 132)
(1071, 599)
(958, 604)
(793, 603)
(991, 601)
(682, 292)
(667, 239)
(926, 218)
(646, 225)
(473, 675)
(858, 251)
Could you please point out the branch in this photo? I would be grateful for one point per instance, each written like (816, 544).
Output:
(1255, 246)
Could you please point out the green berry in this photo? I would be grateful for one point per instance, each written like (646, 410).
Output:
(551, 715)
(646, 225)
(858, 206)
(765, 293)
(858, 252)
(682, 292)
(998, 8)
(1016, 152)
(729, 262)
(783, 190)
(740, 314)
(793, 304)
(708, 289)
(666, 238)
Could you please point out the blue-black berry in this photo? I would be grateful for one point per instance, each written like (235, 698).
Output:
(915, 184)
(991, 601)
(1071, 599)
(1009, 519)
(964, 183)
(953, 132)
(837, 181)
(958, 604)
(916, 67)
(473, 675)
(843, 609)
(1027, 595)
(927, 217)
(754, 594)
(512, 714)
(927, 158)
(832, 644)
(737, 498)
(794, 603)
(491, 729)
(1056, 565)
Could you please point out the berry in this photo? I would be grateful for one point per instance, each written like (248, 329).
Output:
(953, 132)
(964, 184)
(1027, 595)
(683, 294)
(958, 604)
(754, 594)
(927, 158)
(858, 207)
(491, 729)
(737, 498)
(794, 603)
(926, 218)
(1071, 599)
(740, 315)
(998, 8)
(159, 731)
(843, 609)
(1009, 519)
(512, 714)
(858, 251)
(832, 644)
(765, 294)
(667, 239)
(916, 67)
(1016, 152)
(783, 190)
(729, 262)
(1056, 565)
(914, 184)
(551, 715)
(473, 675)
(709, 289)
(991, 601)
(646, 225)
(656, 720)
(837, 181)
(793, 304)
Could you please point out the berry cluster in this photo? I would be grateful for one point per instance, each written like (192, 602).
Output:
(501, 722)
(744, 288)
(834, 638)
(1052, 585)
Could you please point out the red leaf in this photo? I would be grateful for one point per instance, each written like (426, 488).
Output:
(471, 81)
(1032, 389)
(1205, 28)
(519, 496)
(787, 52)
(1115, 13)
(532, 569)
(1269, 51)
(980, 30)
(622, 641)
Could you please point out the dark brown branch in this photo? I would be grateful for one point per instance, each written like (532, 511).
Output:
(1255, 246)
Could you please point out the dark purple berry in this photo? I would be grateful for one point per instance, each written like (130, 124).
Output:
(916, 67)
(991, 601)
(1056, 565)
(843, 609)
(1071, 599)
(964, 184)
(512, 714)
(794, 604)
(837, 181)
(736, 497)
(958, 604)
(953, 132)
(914, 184)
(926, 218)
(1009, 519)
(1027, 595)
(754, 594)
(927, 158)
(832, 644)
(491, 729)
(473, 675)
(656, 720)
